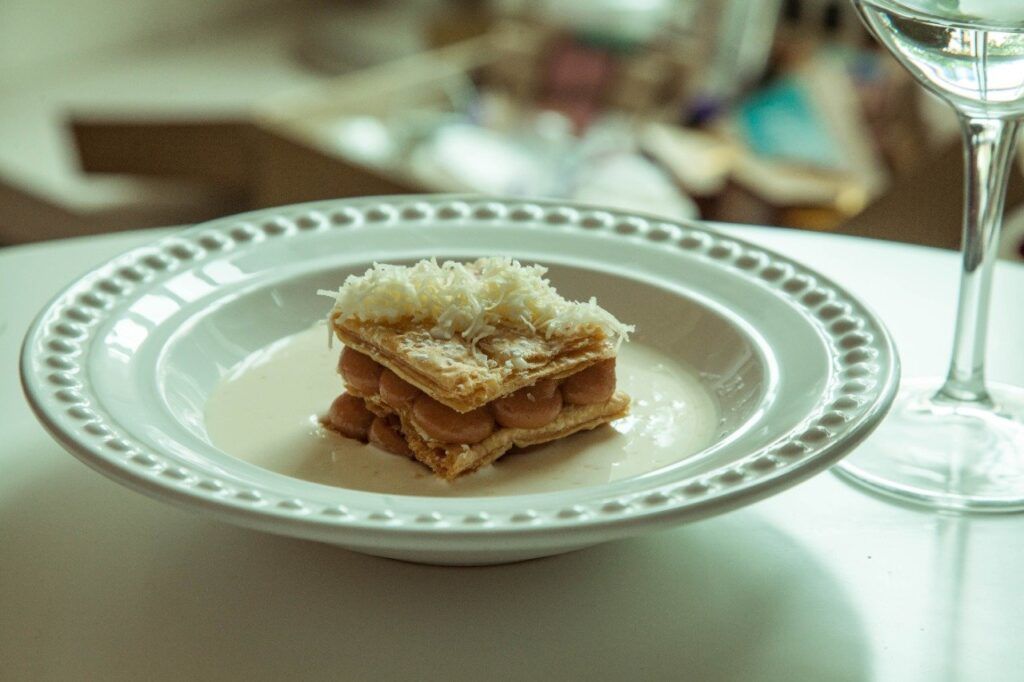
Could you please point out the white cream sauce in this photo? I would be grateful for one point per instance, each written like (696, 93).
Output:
(264, 411)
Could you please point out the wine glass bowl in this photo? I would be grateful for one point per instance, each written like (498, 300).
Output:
(976, 66)
(958, 443)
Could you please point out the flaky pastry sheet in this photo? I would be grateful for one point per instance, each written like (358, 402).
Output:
(463, 376)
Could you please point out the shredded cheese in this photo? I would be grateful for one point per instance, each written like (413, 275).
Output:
(472, 300)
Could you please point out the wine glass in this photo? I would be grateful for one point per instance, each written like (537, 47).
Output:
(959, 443)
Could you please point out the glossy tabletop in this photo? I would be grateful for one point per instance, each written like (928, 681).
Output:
(821, 582)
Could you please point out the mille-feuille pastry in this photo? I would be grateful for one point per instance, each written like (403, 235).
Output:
(455, 364)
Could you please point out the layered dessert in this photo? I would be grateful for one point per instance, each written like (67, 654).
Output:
(455, 364)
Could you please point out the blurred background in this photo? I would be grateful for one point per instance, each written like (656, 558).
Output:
(123, 114)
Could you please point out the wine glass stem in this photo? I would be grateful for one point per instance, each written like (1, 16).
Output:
(988, 153)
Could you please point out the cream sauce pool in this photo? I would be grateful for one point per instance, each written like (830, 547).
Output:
(265, 412)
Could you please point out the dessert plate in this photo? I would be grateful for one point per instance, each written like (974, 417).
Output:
(129, 367)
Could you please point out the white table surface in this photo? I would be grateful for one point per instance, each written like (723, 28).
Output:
(821, 582)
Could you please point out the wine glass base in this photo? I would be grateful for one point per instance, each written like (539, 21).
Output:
(946, 455)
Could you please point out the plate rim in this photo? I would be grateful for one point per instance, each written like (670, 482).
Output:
(90, 438)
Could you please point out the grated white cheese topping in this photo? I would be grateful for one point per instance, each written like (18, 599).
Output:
(469, 299)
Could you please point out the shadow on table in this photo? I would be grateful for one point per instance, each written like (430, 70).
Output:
(99, 583)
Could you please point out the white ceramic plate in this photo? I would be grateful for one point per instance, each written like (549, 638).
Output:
(120, 366)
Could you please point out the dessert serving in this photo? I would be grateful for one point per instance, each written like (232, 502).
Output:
(744, 382)
(454, 364)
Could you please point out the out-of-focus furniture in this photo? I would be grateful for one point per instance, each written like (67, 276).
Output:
(172, 65)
